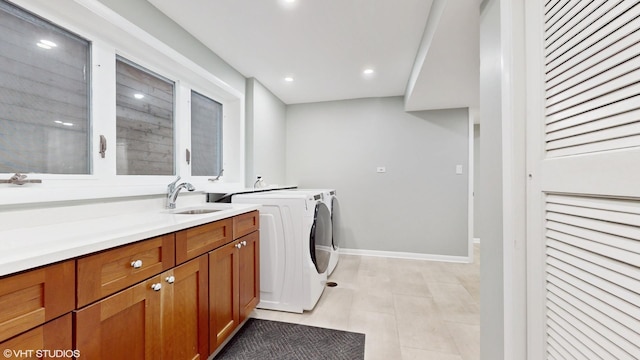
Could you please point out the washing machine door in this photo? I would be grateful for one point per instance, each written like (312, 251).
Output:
(335, 219)
(320, 238)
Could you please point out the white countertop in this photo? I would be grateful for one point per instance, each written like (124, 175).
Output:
(29, 247)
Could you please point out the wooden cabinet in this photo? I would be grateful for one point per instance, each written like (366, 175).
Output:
(54, 336)
(196, 241)
(133, 302)
(249, 274)
(165, 317)
(30, 299)
(104, 273)
(185, 311)
(123, 326)
(234, 286)
(245, 224)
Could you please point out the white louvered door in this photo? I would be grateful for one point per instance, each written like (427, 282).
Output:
(583, 158)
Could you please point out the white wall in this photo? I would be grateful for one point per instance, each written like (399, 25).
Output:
(265, 135)
(419, 205)
(152, 20)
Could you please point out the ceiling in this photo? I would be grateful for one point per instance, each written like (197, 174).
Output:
(427, 50)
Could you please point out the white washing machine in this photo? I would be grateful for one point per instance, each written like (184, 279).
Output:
(331, 200)
(295, 248)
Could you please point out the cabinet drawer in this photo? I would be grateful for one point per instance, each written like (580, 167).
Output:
(193, 242)
(245, 224)
(32, 298)
(104, 273)
(54, 335)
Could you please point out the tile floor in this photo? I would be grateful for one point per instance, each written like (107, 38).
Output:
(408, 309)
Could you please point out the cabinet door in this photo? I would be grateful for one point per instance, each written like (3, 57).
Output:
(223, 293)
(123, 326)
(185, 311)
(30, 299)
(56, 335)
(249, 273)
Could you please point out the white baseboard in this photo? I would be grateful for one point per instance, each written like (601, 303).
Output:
(476, 240)
(406, 255)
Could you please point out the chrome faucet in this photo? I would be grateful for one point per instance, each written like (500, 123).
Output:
(217, 177)
(173, 191)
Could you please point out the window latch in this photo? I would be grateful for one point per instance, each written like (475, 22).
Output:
(188, 157)
(103, 146)
(20, 179)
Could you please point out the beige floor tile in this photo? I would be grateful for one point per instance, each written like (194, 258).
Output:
(381, 350)
(420, 354)
(375, 300)
(378, 327)
(455, 303)
(414, 306)
(407, 309)
(427, 333)
(467, 339)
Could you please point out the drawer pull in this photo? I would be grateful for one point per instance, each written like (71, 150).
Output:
(156, 287)
(170, 279)
(244, 243)
(238, 245)
(136, 264)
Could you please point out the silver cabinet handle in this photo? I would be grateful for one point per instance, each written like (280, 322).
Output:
(156, 286)
(170, 279)
(137, 264)
(244, 243)
(238, 245)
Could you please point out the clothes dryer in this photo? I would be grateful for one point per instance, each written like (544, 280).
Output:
(295, 248)
(330, 198)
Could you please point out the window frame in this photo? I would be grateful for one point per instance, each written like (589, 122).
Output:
(220, 149)
(110, 35)
(67, 31)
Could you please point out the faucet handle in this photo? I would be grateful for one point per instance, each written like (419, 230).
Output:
(172, 185)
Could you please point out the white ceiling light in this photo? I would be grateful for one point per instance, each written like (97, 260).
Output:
(44, 46)
(138, 96)
(368, 71)
(288, 79)
(58, 122)
(67, 124)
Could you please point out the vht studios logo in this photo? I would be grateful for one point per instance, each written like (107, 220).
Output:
(52, 354)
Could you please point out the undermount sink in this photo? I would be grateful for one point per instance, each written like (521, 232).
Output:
(195, 211)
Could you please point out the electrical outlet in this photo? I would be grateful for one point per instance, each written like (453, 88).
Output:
(458, 169)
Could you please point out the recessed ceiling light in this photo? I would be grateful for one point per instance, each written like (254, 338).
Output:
(368, 71)
(44, 46)
(58, 122)
(288, 79)
(67, 124)
(138, 96)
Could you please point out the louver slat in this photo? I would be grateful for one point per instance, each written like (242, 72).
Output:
(593, 277)
(592, 51)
